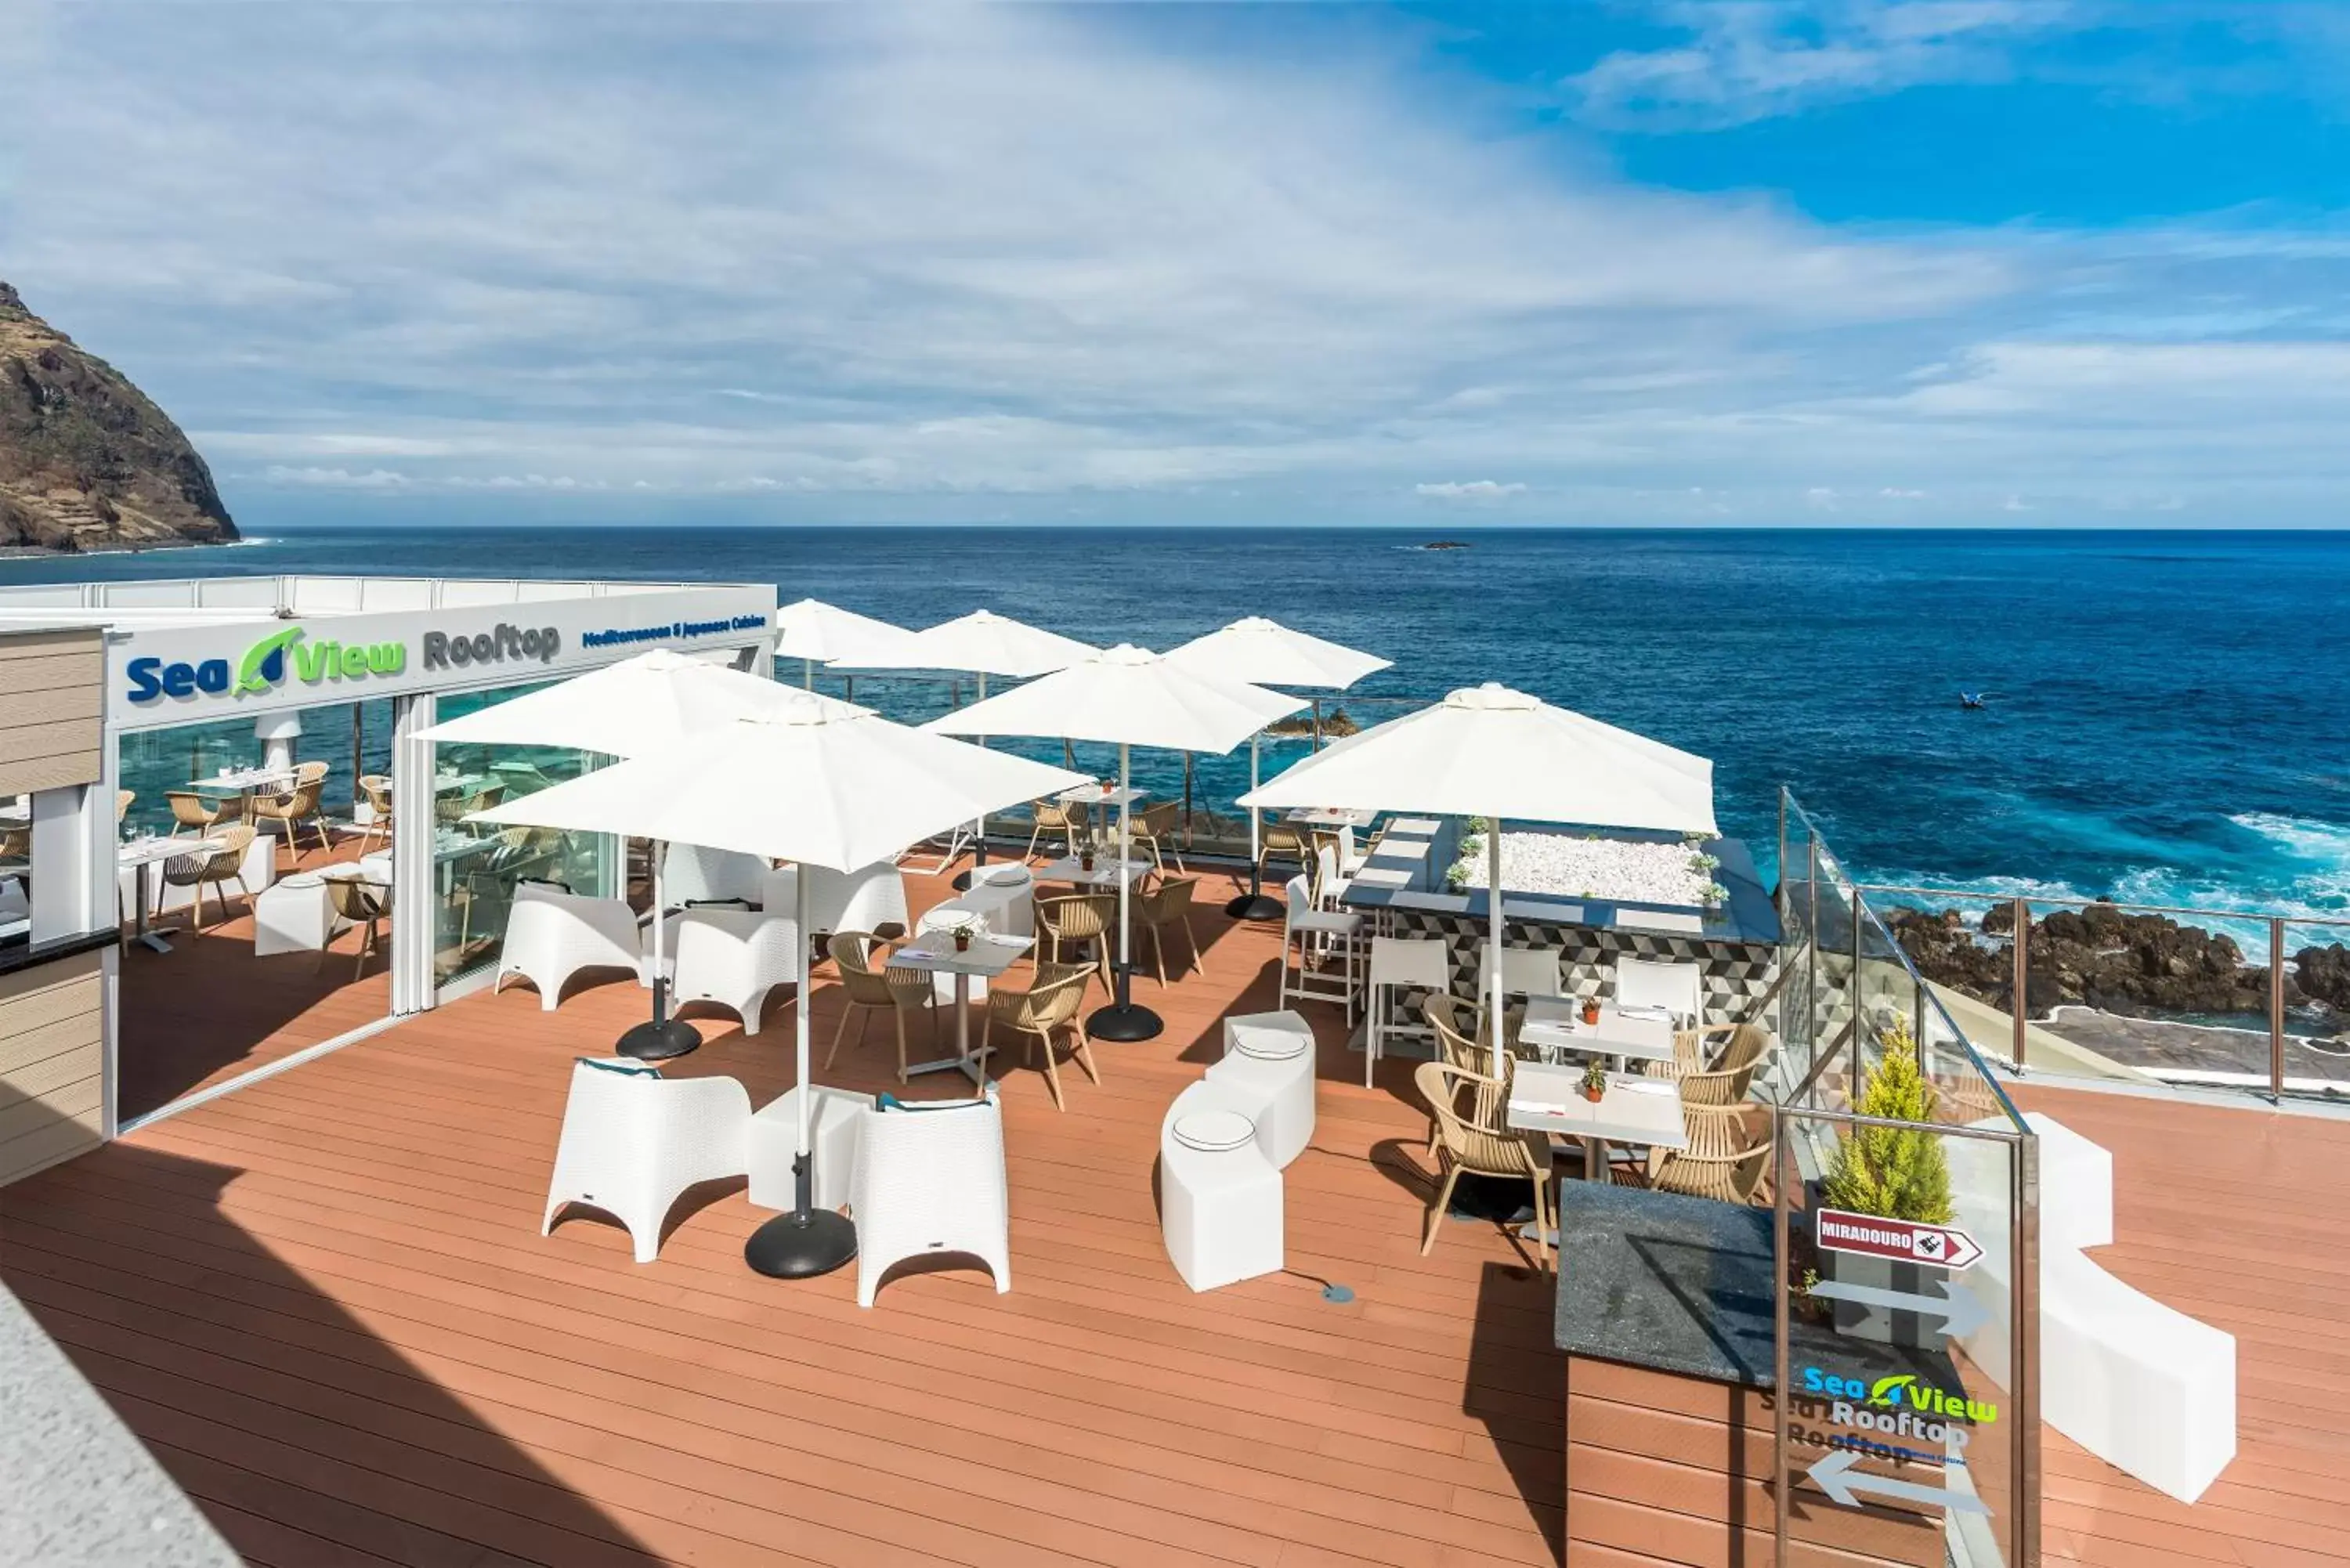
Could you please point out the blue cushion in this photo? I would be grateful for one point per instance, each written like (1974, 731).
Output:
(625, 1066)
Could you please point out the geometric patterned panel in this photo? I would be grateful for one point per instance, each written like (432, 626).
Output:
(1737, 975)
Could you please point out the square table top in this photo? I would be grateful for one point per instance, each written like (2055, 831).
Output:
(1557, 1020)
(243, 779)
(934, 953)
(148, 850)
(1094, 794)
(1330, 816)
(1635, 1110)
(1067, 869)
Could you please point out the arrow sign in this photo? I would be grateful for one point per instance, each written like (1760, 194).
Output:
(1908, 1241)
(1835, 1476)
(1962, 1313)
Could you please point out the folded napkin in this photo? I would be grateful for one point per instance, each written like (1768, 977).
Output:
(1647, 1013)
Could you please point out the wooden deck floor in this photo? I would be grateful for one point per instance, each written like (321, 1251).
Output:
(323, 1302)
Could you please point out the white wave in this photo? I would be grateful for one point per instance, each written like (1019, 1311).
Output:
(2303, 836)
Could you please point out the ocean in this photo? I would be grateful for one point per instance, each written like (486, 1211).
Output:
(2168, 718)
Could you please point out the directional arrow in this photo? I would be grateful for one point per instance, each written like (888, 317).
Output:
(1961, 1312)
(1835, 1476)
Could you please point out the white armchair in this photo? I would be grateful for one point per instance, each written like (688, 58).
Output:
(633, 1141)
(733, 958)
(858, 900)
(930, 1179)
(551, 935)
(694, 874)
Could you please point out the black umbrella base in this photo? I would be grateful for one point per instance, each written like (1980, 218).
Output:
(1255, 906)
(1124, 1022)
(801, 1246)
(659, 1042)
(962, 881)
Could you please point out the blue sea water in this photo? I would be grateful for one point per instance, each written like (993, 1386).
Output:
(2169, 719)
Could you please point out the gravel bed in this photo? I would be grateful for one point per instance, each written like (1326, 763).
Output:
(1611, 869)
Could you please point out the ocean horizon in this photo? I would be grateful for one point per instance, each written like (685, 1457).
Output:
(2165, 720)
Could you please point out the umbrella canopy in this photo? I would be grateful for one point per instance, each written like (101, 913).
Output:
(1126, 696)
(1267, 653)
(982, 643)
(814, 781)
(636, 706)
(820, 633)
(1487, 751)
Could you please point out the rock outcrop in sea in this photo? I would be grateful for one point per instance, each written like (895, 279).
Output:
(87, 461)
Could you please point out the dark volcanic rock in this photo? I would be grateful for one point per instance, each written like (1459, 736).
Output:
(86, 460)
(2099, 957)
(2323, 974)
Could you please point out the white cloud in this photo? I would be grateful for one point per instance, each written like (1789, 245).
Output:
(1470, 490)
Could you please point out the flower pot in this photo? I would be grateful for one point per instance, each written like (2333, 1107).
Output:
(962, 941)
(1595, 1095)
(1886, 1325)
(1085, 862)
(1591, 1013)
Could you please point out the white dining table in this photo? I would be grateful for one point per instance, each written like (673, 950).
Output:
(1640, 1111)
(1555, 1024)
(1094, 794)
(244, 781)
(1105, 872)
(1330, 816)
(989, 955)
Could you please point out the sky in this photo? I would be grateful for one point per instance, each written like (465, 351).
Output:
(1955, 262)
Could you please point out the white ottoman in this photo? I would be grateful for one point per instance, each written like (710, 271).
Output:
(1268, 1072)
(832, 1140)
(293, 916)
(1220, 1206)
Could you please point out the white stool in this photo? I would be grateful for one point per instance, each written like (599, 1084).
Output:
(832, 1145)
(1403, 964)
(1525, 972)
(1303, 927)
(1268, 1070)
(1220, 1209)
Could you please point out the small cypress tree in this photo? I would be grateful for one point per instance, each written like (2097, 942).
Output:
(1893, 1173)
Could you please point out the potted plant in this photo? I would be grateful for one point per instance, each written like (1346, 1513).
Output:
(1594, 1082)
(1891, 1173)
(1085, 857)
(1591, 1009)
(1456, 876)
(963, 932)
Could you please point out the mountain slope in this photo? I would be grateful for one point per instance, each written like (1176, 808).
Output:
(87, 462)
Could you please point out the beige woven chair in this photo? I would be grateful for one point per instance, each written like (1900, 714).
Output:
(1279, 841)
(123, 799)
(1727, 1157)
(200, 813)
(376, 790)
(1156, 829)
(292, 809)
(1165, 908)
(16, 843)
(867, 991)
(1460, 1043)
(1724, 1077)
(1480, 1143)
(1069, 823)
(363, 904)
(1055, 1001)
(1076, 920)
(450, 811)
(213, 868)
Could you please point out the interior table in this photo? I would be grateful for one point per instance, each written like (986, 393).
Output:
(135, 857)
(989, 955)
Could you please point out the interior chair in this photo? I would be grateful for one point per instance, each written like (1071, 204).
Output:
(215, 868)
(1404, 964)
(355, 901)
(1156, 829)
(1077, 921)
(634, 1141)
(1068, 822)
(123, 799)
(297, 807)
(1314, 937)
(195, 811)
(866, 990)
(376, 790)
(930, 1182)
(1480, 1143)
(1717, 1065)
(1054, 1003)
(17, 845)
(1166, 908)
(1679, 988)
(1727, 1157)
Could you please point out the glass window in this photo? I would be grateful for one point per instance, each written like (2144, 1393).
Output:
(476, 868)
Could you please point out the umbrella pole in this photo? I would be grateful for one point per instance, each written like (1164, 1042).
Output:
(969, 874)
(1254, 905)
(807, 674)
(808, 1241)
(665, 1036)
(1493, 920)
(1123, 1019)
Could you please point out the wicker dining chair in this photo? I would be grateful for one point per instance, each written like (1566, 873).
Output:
(1055, 1001)
(1068, 822)
(361, 903)
(123, 799)
(292, 809)
(1460, 1043)
(196, 812)
(16, 843)
(213, 867)
(1165, 908)
(376, 790)
(1727, 1158)
(1155, 828)
(1727, 1076)
(1480, 1143)
(1279, 841)
(1077, 921)
(866, 990)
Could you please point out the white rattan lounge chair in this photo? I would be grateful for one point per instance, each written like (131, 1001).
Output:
(633, 1141)
(930, 1180)
(733, 958)
(551, 935)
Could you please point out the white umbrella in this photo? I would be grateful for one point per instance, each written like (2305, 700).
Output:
(982, 643)
(810, 784)
(634, 708)
(1128, 697)
(1489, 751)
(1267, 653)
(818, 633)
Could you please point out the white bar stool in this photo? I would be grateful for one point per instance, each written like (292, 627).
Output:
(1653, 982)
(1525, 972)
(1302, 929)
(1402, 963)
